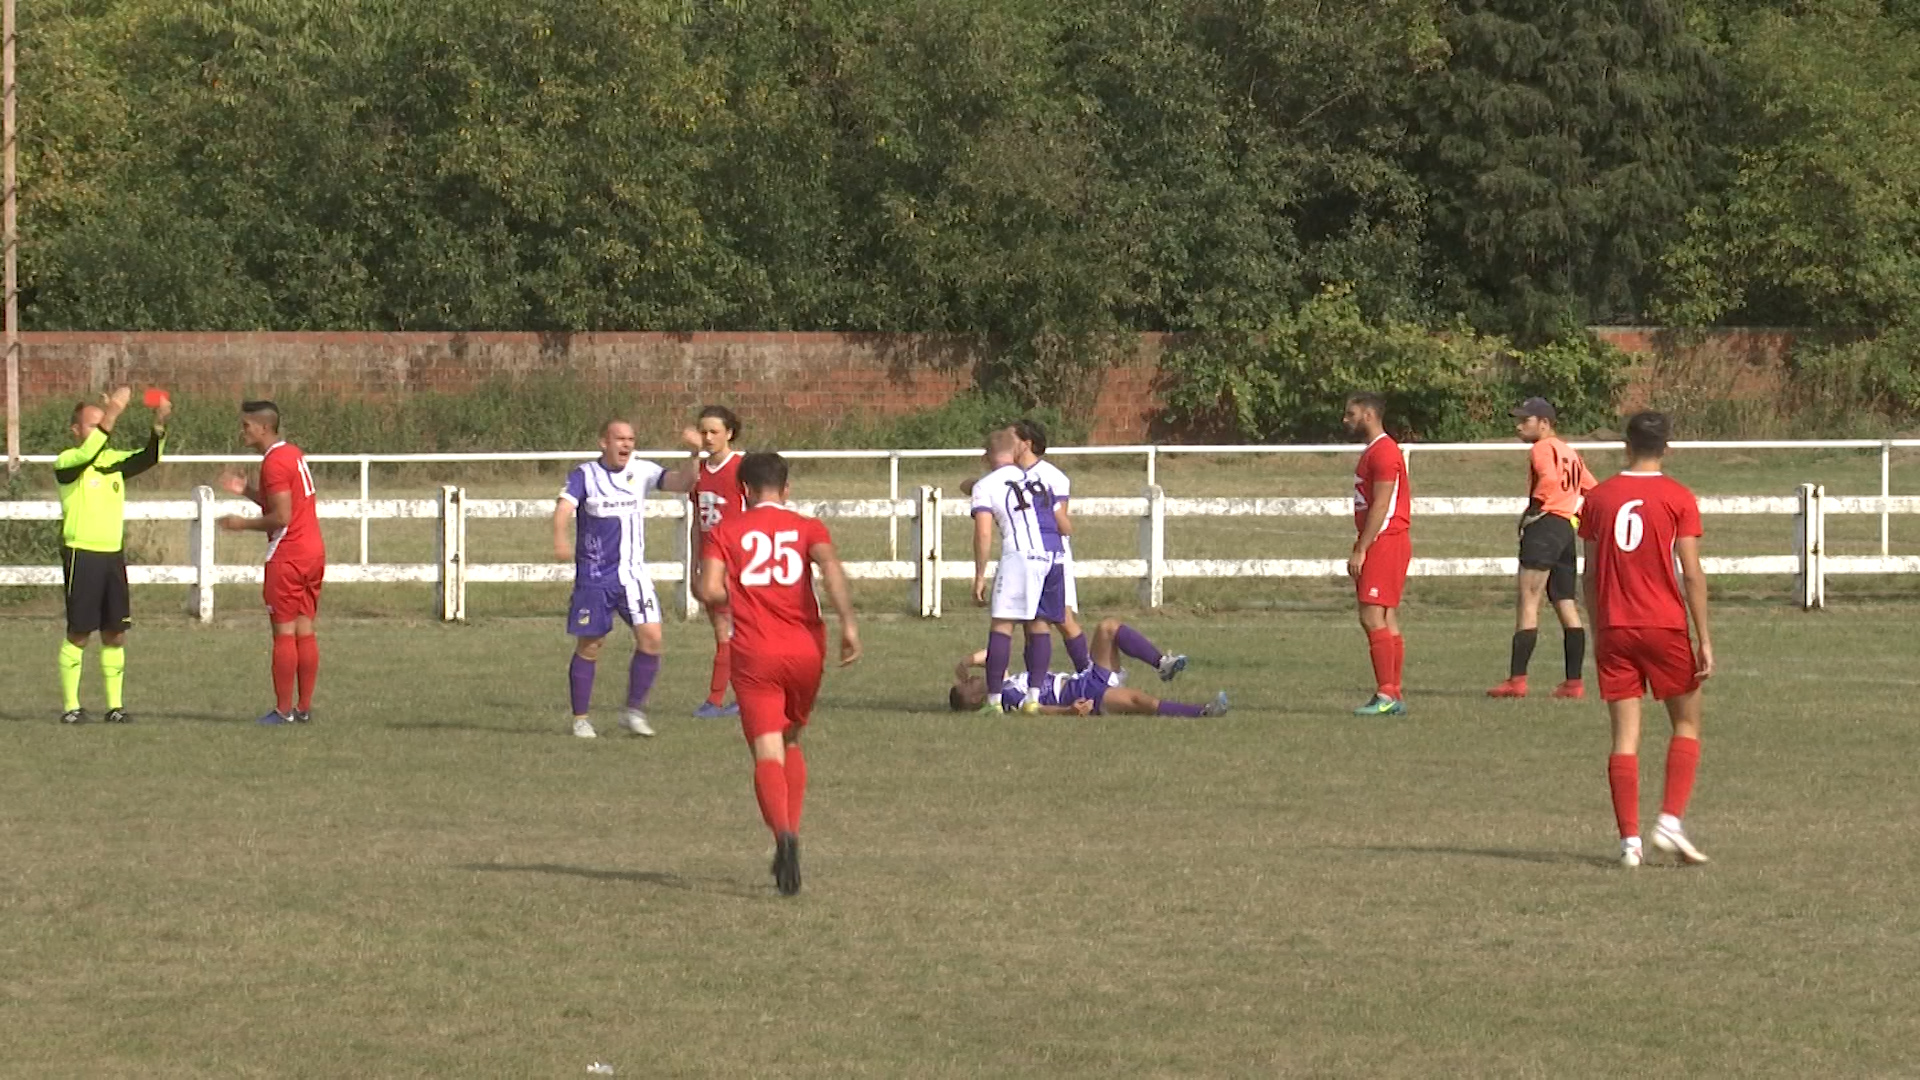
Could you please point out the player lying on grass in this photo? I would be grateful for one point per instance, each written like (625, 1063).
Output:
(1094, 691)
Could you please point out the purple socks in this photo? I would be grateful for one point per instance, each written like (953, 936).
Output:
(640, 676)
(1039, 656)
(580, 681)
(1078, 653)
(999, 650)
(1133, 643)
(1175, 708)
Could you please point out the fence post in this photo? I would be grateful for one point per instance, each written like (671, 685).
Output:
(364, 463)
(1153, 548)
(1810, 542)
(686, 548)
(893, 492)
(926, 553)
(450, 592)
(200, 536)
(1886, 470)
(1153, 464)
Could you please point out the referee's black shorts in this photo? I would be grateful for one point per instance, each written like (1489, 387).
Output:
(1550, 544)
(96, 591)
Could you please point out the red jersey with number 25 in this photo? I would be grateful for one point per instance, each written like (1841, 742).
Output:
(770, 580)
(284, 468)
(717, 494)
(1380, 462)
(1634, 520)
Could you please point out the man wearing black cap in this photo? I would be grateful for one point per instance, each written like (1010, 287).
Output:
(1557, 481)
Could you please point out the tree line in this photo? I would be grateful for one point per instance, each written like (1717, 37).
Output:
(1048, 174)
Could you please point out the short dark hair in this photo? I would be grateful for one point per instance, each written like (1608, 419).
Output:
(607, 424)
(1032, 432)
(725, 416)
(265, 411)
(957, 699)
(78, 408)
(1648, 433)
(1367, 399)
(764, 471)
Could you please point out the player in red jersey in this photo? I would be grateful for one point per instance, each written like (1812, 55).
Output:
(760, 563)
(716, 497)
(296, 556)
(1382, 499)
(1637, 526)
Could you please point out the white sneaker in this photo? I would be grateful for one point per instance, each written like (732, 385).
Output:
(1630, 853)
(583, 728)
(635, 721)
(1672, 839)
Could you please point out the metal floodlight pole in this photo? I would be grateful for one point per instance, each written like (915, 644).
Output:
(12, 239)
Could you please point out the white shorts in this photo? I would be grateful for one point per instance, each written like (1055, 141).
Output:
(1030, 585)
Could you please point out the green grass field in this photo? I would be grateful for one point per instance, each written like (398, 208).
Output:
(434, 879)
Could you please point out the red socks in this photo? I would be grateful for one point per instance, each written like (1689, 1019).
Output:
(770, 788)
(1399, 665)
(722, 673)
(1683, 758)
(307, 648)
(796, 785)
(1380, 651)
(1623, 776)
(286, 663)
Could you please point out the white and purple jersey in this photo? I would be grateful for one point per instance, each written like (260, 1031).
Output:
(1022, 505)
(610, 529)
(1060, 688)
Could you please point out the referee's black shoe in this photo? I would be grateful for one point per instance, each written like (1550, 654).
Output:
(117, 716)
(74, 716)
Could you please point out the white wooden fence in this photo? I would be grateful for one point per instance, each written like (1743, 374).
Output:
(926, 566)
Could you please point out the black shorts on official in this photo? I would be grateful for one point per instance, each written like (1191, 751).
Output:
(1550, 544)
(96, 591)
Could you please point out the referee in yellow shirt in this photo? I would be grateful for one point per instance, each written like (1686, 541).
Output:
(93, 562)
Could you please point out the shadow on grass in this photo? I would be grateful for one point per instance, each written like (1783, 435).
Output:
(659, 879)
(1561, 858)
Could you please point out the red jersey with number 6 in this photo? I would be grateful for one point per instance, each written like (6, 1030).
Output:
(1634, 521)
(770, 580)
(284, 468)
(717, 494)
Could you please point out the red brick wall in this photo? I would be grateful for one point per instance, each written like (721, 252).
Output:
(806, 380)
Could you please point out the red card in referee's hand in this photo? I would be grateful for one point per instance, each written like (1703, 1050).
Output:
(155, 397)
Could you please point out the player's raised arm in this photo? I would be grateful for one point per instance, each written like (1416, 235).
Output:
(1694, 581)
(975, 659)
(834, 576)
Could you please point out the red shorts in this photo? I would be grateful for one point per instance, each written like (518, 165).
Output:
(776, 692)
(1634, 659)
(293, 589)
(1383, 577)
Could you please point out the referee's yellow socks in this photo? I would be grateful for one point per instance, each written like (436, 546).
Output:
(113, 669)
(70, 657)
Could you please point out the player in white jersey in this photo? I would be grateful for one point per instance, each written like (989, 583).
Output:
(1030, 587)
(1032, 440)
(609, 556)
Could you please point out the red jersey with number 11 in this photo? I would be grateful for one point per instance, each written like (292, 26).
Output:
(770, 580)
(1634, 520)
(284, 468)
